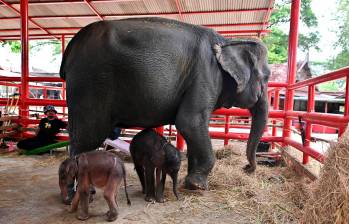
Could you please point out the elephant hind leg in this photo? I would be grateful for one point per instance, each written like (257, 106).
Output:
(110, 195)
(140, 172)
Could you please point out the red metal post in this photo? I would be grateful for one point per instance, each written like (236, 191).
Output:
(63, 84)
(275, 107)
(180, 142)
(346, 108)
(310, 108)
(346, 104)
(160, 130)
(292, 63)
(226, 129)
(24, 109)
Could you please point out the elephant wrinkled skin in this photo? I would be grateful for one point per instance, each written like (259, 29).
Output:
(149, 72)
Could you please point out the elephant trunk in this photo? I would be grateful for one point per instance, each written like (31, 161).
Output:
(259, 120)
(174, 177)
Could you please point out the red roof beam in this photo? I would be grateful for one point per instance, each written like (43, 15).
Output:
(232, 25)
(243, 31)
(77, 28)
(221, 32)
(179, 9)
(93, 9)
(77, 2)
(19, 13)
(267, 14)
(143, 14)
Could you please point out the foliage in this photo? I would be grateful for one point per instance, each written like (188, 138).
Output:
(342, 18)
(34, 46)
(277, 46)
(14, 45)
(277, 40)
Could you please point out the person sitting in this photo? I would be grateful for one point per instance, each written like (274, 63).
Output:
(48, 129)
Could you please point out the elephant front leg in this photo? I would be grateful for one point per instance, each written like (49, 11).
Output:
(149, 181)
(160, 185)
(200, 156)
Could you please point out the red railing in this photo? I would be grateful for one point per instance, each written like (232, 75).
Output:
(310, 117)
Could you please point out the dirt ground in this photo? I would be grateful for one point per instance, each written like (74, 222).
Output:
(30, 194)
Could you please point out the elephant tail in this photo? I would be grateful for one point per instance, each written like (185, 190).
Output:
(124, 176)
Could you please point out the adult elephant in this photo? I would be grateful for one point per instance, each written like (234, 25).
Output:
(149, 72)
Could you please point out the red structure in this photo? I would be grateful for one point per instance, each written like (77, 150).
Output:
(245, 28)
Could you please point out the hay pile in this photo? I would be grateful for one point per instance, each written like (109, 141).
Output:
(330, 200)
(271, 195)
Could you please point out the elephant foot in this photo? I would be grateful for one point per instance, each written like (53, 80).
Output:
(160, 200)
(249, 168)
(111, 216)
(149, 199)
(196, 181)
(82, 216)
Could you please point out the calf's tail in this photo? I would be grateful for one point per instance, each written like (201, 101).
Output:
(124, 176)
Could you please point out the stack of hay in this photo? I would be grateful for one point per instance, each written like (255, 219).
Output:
(330, 200)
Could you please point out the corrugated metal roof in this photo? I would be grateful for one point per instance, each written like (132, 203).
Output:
(230, 17)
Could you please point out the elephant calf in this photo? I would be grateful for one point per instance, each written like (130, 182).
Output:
(151, 152)
(97, 168)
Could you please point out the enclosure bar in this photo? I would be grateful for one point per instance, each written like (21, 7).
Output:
(63, 84)
(242, 136)
(275, 107)
(308, 129)
(310, 151)
(180, 142)
(23, 107)
(337, 74)
(292, 63)
(226, 129)
(346, 108)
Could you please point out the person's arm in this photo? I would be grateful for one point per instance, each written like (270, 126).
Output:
(41, 125)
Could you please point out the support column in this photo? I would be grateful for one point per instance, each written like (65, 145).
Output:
(292, 63)
(23, 108)
(63, 84)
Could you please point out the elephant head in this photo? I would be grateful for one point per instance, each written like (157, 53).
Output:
(246, 74)
(67, 173)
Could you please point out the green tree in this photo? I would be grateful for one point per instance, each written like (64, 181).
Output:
(14, 45)
(277, 40)
(34, 45)
(342, 17)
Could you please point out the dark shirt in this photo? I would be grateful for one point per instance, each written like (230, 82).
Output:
(48, 129)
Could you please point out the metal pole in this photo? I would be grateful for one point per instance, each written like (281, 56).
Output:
(310, 108)
(226, 129)
(292, 63)
(63, 84)
(23, 111)
(180, 141)
(275, 107)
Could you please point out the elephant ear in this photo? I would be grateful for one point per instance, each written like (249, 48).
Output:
(235, 61)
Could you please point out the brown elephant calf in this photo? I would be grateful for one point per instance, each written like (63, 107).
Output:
(97, 168)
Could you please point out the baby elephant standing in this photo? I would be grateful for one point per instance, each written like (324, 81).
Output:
(151, 152)
(98, 168)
